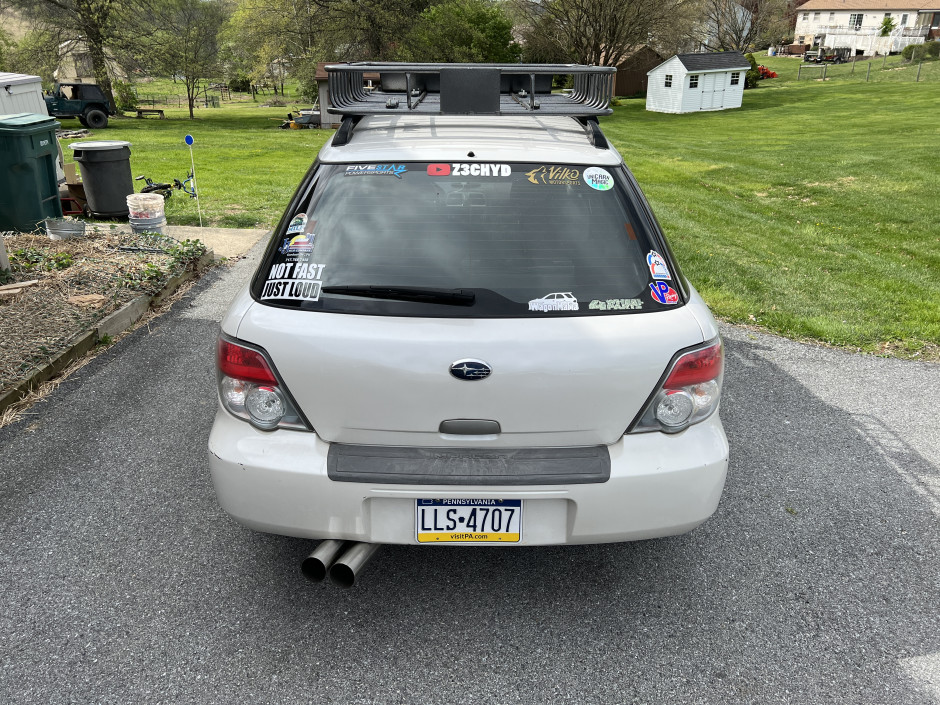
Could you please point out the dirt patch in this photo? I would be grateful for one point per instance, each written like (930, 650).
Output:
(78, 282)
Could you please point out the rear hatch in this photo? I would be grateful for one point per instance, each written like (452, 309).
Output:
(385, 278)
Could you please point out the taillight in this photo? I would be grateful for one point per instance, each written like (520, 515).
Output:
(249, 389)
(690, 393)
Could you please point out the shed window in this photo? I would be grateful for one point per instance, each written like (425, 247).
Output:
(832, 18)
(735, 78)
(855, 20)
(805, 16)
(668, 83)
(815, 17)
(904, 20)
(693, 81)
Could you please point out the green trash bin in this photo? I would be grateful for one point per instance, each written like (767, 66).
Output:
(29, 187)
(106, 175)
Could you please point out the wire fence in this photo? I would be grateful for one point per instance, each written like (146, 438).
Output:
(879, 69)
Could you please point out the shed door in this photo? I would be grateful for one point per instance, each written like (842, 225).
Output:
(713, 91)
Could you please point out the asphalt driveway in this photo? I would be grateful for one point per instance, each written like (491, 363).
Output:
(817, 581)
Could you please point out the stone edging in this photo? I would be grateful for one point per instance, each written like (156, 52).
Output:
(111, 325)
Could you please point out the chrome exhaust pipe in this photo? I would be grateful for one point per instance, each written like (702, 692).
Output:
(345, 571)
(317, 564)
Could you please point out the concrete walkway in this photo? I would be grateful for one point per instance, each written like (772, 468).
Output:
(224, 242)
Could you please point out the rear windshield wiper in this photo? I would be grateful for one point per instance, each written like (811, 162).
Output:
(450, 297)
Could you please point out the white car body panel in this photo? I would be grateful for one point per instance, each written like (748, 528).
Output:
(384, 380)
(660, 485)
(492, 139)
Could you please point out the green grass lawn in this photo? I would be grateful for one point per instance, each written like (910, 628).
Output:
(246, 168)
(811, 211)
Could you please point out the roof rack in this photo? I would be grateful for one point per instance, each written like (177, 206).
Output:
(469, 89)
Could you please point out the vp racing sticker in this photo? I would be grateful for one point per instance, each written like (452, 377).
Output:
(664, 293)
(616, 305)
(559, 301)
(657, 265)
(395, 170)
(293, 281)
(555, 176)
(598, 179)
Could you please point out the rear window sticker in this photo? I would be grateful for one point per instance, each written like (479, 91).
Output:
(657, 265)
(289, 280)
(555, 176)
(294, 289)
(297, 224)
(598, 179)
(664, 293)
(480, 169)
(395, 170)
(559, 301)
(615, 304)
(297, 244)
(438, 169)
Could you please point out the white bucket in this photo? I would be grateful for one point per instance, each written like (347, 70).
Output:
(148, 225)
(145, 205)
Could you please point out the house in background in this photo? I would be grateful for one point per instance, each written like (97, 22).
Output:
(689, 83)
(856, 24)
(632, 71)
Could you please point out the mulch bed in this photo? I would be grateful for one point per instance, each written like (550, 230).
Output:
(81, 280)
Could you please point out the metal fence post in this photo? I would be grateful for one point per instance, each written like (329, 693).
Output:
(853, 64)
(825, 66)
(885, 61)
(799, 71)
(867, 75)
(917, 80)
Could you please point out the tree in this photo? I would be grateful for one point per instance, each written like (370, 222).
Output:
(184, 41)
(601, 32)
(463, 31)
(737, 26)
(94, 20)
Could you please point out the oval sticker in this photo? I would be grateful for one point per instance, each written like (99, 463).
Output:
(598, 178)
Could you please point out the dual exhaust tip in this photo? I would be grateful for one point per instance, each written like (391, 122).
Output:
(343, 561)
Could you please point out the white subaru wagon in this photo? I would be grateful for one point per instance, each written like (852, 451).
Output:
(468, 328)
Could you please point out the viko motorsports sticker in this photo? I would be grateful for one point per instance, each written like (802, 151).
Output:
(293, 281)
(555, 176)
(598, 179)
(395, 170)
(615, 305)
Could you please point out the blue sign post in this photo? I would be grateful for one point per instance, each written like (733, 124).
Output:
(189, 141)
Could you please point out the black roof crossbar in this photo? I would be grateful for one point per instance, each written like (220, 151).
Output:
(469, 89)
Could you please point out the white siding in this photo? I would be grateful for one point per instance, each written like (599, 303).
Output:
(21, 94)
(714, 90)
(659, 98)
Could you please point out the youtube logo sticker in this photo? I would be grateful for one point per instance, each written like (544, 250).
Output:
(438, 169)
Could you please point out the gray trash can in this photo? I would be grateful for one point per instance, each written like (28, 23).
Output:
(106, 175)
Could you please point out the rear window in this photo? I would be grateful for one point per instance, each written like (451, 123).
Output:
(466, 240)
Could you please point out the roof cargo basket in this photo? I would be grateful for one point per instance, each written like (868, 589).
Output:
(470, 89)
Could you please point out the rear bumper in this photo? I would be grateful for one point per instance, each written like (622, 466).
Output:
(660, 485)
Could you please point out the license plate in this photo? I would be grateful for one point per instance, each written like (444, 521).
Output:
(468, 520)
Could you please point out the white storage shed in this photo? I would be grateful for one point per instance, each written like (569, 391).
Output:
(21, 93)
(688, 83)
